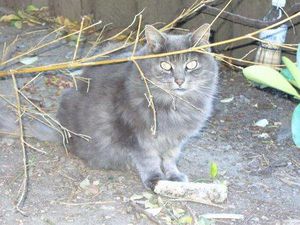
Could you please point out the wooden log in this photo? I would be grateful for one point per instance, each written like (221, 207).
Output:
(198, 192)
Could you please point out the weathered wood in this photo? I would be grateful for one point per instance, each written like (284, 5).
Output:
(121, 12)
(69, 8)
(199, 192)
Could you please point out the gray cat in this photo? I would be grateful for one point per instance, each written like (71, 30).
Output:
(115, 113)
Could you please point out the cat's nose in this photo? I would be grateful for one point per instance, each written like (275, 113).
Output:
(179, 81)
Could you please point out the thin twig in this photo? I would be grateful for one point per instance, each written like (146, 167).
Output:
(149, 98)
(192, 213)
(86, 203)
(49, 43)
(29, 82)
(235, 18)
(139, 209)
(137, 35)
(212, 22)
(24, 185)
(34, 148)
(78, 39)
(142, 57)
(196, 201)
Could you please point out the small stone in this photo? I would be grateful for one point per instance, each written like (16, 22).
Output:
(262, 123)
(227, 100)
(264, 218)
(255, 219)
(264, 135)
(243, 99)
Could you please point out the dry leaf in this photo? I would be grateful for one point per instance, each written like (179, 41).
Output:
(28, 60)
(154, 211)
(9, 18)
(85, 183)
(136, 197)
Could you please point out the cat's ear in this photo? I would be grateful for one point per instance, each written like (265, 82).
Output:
(155, 39)
(201, 35)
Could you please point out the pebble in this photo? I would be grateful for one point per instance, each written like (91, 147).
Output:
(264, 135)
(262, 123)
(264, 218)
(243, 99)
(255, 219)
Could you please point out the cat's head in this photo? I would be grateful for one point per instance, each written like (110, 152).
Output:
(180, 74)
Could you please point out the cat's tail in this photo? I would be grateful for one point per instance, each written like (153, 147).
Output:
(9, 123)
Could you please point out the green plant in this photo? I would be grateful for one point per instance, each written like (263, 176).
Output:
(287, 81)
(213, 170)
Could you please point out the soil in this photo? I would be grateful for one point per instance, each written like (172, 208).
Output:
(260, 164)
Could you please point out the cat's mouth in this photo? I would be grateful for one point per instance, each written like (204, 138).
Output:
(179, 90)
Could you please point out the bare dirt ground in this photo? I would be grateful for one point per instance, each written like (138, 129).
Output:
(261, 165)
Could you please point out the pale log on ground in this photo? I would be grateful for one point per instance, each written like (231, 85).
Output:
(200, 192)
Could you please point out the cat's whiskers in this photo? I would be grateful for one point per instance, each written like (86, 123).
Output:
(176, 96)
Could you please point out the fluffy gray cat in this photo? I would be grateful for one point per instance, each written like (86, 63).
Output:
(116, 115)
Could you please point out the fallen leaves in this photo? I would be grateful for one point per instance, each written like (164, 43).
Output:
(59, 82)
(27, 16)
(90, 187)
(163, 211)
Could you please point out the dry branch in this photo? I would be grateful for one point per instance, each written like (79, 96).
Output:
(139, 209)
(201, 192)
(77, 64)
(24, 185)
(250, 22)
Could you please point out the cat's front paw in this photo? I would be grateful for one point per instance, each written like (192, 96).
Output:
(181, 177)
(152, 180)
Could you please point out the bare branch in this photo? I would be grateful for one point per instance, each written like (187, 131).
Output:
(235, 18)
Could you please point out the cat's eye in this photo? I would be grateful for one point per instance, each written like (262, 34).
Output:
(166, 66)
(192, 65)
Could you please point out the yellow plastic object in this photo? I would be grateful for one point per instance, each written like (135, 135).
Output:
(267, 76)
(292, 67)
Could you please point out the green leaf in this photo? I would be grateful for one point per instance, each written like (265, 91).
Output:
(213, 170)
(269, 77)
(287, 74)
(185, 220)
(292, 67)
(296, 126)
(31, 8)
(17, 24)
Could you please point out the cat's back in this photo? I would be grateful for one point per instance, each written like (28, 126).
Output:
(104, 79)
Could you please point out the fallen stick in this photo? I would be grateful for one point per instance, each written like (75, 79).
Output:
(223, 216)
(202, 192)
